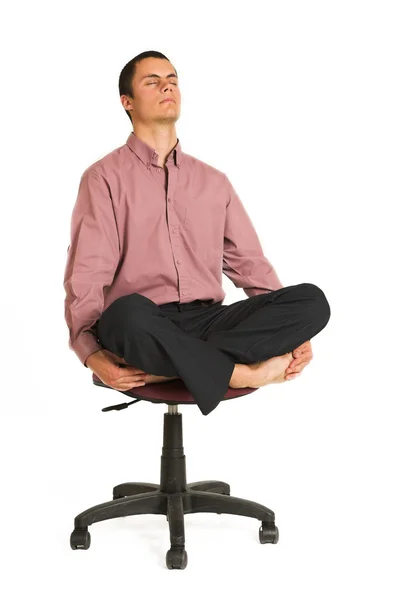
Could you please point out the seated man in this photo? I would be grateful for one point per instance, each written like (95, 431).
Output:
(152, 231)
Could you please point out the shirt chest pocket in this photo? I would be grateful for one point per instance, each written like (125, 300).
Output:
(204, 223)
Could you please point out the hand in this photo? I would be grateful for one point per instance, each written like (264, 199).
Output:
(105, 365)
(302, 356)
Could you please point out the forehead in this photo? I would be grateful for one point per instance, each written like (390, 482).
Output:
(159, 66)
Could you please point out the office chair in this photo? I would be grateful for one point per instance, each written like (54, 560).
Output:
(173, 497)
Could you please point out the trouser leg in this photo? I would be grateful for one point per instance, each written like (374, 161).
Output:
(134, 328)
(269, 324)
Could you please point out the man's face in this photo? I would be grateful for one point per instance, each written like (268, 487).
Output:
(149, 92)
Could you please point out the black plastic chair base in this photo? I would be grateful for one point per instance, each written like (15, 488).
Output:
(174, 498)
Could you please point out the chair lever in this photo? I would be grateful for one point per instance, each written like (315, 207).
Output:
(119, 406)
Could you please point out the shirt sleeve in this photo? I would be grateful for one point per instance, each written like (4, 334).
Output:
(244, 262)
(92, 259)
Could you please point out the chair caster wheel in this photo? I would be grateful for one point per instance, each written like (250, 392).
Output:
(80, 539)
(176, 558)
(268, 533)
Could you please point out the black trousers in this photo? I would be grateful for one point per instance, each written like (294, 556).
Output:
(200, 342)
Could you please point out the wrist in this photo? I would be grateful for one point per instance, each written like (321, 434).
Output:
(92, 358)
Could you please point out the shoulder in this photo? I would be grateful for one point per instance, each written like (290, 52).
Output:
(108, 163)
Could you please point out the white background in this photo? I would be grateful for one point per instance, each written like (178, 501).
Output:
(298, 103)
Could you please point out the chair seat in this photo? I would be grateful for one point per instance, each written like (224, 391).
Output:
(171, 392)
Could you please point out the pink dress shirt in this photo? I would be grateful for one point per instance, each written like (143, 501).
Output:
(167, 234)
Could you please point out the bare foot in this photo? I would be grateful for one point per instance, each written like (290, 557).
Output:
(262, 373)
(270, 371)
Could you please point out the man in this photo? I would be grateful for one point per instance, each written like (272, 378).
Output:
(152, 231)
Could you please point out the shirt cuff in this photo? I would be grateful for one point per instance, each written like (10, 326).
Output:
(85, 345)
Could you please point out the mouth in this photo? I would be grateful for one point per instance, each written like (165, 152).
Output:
(167, 100)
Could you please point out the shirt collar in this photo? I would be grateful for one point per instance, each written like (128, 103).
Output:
(148, 155)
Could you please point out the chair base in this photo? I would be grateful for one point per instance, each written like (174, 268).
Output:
(174, 498)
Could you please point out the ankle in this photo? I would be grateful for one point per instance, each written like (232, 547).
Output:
(241, 376)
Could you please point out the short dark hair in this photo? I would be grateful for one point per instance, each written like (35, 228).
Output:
(125, 83)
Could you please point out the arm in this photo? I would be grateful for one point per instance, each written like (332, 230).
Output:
(244, 261)
(93, 257)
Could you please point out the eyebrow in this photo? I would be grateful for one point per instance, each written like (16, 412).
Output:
(155, 75)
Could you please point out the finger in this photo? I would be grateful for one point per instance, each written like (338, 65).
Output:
(130, 380)
(297, 367)
(129, 368)
(305, 347)
(293, 374)
(295, 363)
(299, 351)
(304, 357)
(289, 377)
(291, 371)
(126, 371)
(128, 385)
(126, 388)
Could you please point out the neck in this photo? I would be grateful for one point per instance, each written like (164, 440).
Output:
(162, 139)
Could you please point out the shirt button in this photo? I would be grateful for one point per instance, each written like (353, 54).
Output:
(169, 199)
(184, 293)
(179, 262)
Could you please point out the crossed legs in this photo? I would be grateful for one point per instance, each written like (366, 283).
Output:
(254, 375)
